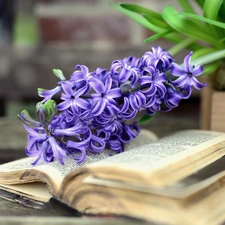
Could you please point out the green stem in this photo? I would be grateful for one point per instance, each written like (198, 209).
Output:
(181, 45)
(209, 58)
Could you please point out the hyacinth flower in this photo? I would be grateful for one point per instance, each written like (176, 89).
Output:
(96, 108)
(187, 75)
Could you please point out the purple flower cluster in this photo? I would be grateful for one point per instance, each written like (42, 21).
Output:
(96, 107)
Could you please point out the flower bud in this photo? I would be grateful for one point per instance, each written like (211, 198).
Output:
(59, 74)
(41, 114)
(50, 108)
(26, 118)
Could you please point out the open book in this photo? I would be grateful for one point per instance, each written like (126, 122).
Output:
(156, 180)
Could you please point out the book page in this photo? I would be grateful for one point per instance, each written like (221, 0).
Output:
(180, 151)
(148, 155)
(59, 171)
(37, 191)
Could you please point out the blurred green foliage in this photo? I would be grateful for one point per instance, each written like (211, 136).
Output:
(26, 30)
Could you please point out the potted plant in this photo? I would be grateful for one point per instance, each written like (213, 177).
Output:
(202, 31)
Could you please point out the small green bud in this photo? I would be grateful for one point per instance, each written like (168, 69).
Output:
(59, 74)
(50, 108)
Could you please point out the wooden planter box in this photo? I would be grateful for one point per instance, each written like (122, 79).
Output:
(213, 110)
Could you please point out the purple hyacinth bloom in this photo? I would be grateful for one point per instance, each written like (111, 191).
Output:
(105, 95)
(152, 82)
(97, 144)
(115, 143)
(41, 146)
(126, 69)
(81, 77)
(81, 74)
(130, 132)
(137, 100)
(57, 151)
(114, 126)
(101, 74)
(96, 106)
(72, 99)
(126, 111)
(187, 75)
(77, 149)
(77, 153)
(171, 99)
(154, 105)
(159, 58)
(48, 94)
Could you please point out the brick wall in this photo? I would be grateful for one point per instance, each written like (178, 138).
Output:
(91, 22)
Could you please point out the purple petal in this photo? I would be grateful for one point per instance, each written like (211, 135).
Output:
(187, 62)
(84, 104)
(39, 136)
(133, 102)
(97, 144)
(125, 105)
(67, 88)
(181, 81)
(177, 70)
(48, 94)
(97, 85)
(79, 92)
(99, 107)
(197, 84)
(80, 73)
(25, 117)
(58, 152)
(108, 84)
(78, 154)
(114, 93)
(64, 105)
(197, 70)
(82, 68)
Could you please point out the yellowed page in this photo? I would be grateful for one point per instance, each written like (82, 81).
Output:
(38, 191)
(167, 160)
(21, 171)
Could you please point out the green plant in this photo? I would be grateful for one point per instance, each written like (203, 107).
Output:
(205, 34)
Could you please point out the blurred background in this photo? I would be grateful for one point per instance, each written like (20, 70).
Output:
(37, 36)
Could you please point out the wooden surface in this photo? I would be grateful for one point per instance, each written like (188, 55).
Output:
(68, 221)
(218, 111)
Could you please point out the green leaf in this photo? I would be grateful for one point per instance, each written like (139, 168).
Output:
(59, 74)
(146, 118)
(209, 58)
(158, 23)
(200, 3)
(186, 6)
(185, 26)
(142, 21)
(211, 68)
(203, 51)
(211, 10)
(157, 36)
(141, 10)
(204, 19)
(181, 45)
(134, 16)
